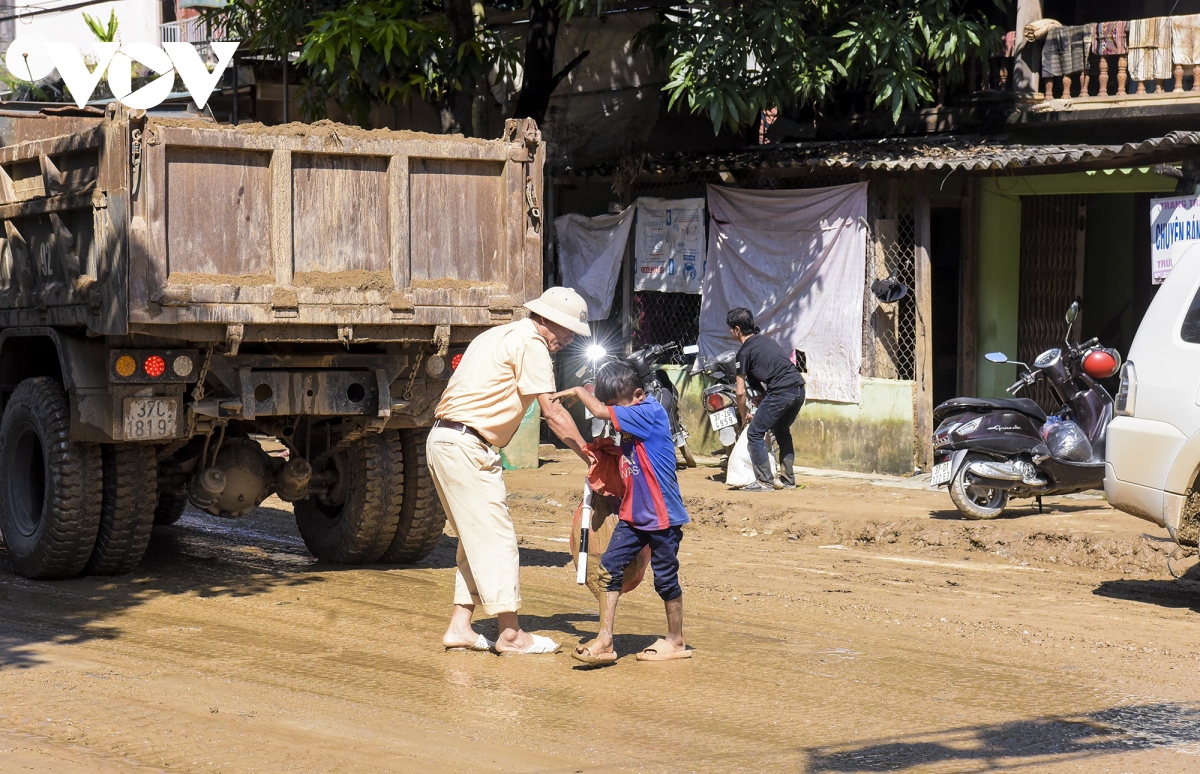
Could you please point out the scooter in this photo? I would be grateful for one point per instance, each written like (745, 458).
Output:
(988, 450)
(720, 399)
(646, 363)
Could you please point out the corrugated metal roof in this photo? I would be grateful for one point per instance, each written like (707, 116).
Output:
(919, 154)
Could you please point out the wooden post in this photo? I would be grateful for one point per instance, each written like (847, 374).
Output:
(923, 372)
(627, 269)
(968, 292)
(1026, 62)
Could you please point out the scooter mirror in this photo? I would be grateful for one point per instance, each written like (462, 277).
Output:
(1072, 312)
(997, 357)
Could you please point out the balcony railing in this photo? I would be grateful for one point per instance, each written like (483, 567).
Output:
(193, 30)
(1104, 78)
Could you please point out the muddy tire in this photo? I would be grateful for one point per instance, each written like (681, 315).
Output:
(973, 501)
(170, 507)
(50, 486)
(355, 522)
(127, 510)
(422, 518)
(688, 458)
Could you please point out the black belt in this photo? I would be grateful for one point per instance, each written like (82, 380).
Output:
(459, 427)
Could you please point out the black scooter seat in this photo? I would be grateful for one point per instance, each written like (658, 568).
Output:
(982, 405)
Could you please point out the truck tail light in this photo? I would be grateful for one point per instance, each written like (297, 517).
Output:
(154, 366)
(183, 366)
(125, 366)
(454, 361)
(1127, 391)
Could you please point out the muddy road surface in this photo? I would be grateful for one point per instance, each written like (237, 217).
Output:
(854, 625)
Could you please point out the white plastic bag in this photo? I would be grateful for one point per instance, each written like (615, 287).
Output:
(740, 471)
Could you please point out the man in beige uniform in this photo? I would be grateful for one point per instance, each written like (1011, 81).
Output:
(500, 375)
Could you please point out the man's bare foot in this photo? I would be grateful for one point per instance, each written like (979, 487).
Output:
(454, 639)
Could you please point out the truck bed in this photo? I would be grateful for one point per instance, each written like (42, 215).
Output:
(277, 229)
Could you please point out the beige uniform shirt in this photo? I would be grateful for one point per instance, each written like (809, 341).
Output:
(501, 373)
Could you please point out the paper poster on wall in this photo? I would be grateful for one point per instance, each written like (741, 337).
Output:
(669, 245)
(1174, 228)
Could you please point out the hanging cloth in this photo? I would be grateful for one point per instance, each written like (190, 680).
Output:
(668, 245)
(1066, 50)
(1109, 38)
(1008, 44)
(797, 260)
(1150, 49)
(589, 254)
(1185, 39)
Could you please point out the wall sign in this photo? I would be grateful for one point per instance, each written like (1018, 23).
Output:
(1174, 227)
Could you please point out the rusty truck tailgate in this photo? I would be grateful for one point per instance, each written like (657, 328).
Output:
(328, 224)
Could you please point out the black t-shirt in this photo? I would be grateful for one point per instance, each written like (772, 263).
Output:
(767, 366)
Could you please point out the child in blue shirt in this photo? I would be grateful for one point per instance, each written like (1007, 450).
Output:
(652, 511)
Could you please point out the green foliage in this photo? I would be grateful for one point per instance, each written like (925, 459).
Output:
(359, 53)
(731, 60)
(104, 33)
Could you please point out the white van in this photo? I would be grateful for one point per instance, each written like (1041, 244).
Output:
(1153, 452)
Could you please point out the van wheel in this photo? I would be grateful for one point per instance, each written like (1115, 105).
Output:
(355, 520)
(976, 501)
(127, 513)
(422, 518)
(50, 486)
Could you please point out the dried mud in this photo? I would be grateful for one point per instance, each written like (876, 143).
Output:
(356, 279)
(854, 625)
(198, 278)
(323, 129)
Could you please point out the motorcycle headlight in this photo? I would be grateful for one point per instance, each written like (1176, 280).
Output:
(968, 427)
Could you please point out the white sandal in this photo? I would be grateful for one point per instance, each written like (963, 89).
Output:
(540, 646)
(482, 644)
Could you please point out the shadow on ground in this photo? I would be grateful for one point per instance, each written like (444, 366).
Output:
(1182, 592)
(1026, 743)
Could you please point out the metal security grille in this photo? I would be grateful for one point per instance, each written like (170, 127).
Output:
(889, 333)
(1052, 234)
(889, 330)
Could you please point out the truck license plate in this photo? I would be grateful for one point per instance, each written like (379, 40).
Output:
(726, 417)
(941, 473)
(148, 419)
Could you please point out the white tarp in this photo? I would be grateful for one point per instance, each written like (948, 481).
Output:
(1174, 227)
(797, 260)
(668, 247)
(589, 254)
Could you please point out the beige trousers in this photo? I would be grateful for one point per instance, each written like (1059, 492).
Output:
(470, 481)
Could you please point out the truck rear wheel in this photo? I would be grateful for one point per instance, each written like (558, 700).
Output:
(50, 486)
(170, 507)
(422, 518)
(127, 512)
(355, 521)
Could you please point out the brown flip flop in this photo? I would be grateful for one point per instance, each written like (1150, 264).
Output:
(659, 652)
(594, 659)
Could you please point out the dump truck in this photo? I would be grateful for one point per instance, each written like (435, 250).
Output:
(173, 291)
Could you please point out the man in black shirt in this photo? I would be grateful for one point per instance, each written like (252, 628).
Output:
(773, 373)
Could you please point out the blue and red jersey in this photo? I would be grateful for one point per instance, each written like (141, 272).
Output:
(652, 500)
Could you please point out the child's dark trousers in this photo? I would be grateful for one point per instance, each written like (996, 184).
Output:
(625, 544)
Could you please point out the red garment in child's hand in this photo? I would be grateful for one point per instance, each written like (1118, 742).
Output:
(604, 471)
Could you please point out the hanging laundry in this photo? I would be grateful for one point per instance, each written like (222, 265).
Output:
(1109, 38)
(1008, 44)
(589, 253)
(1185, 39)
(1150, 49)
(1066, 50)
